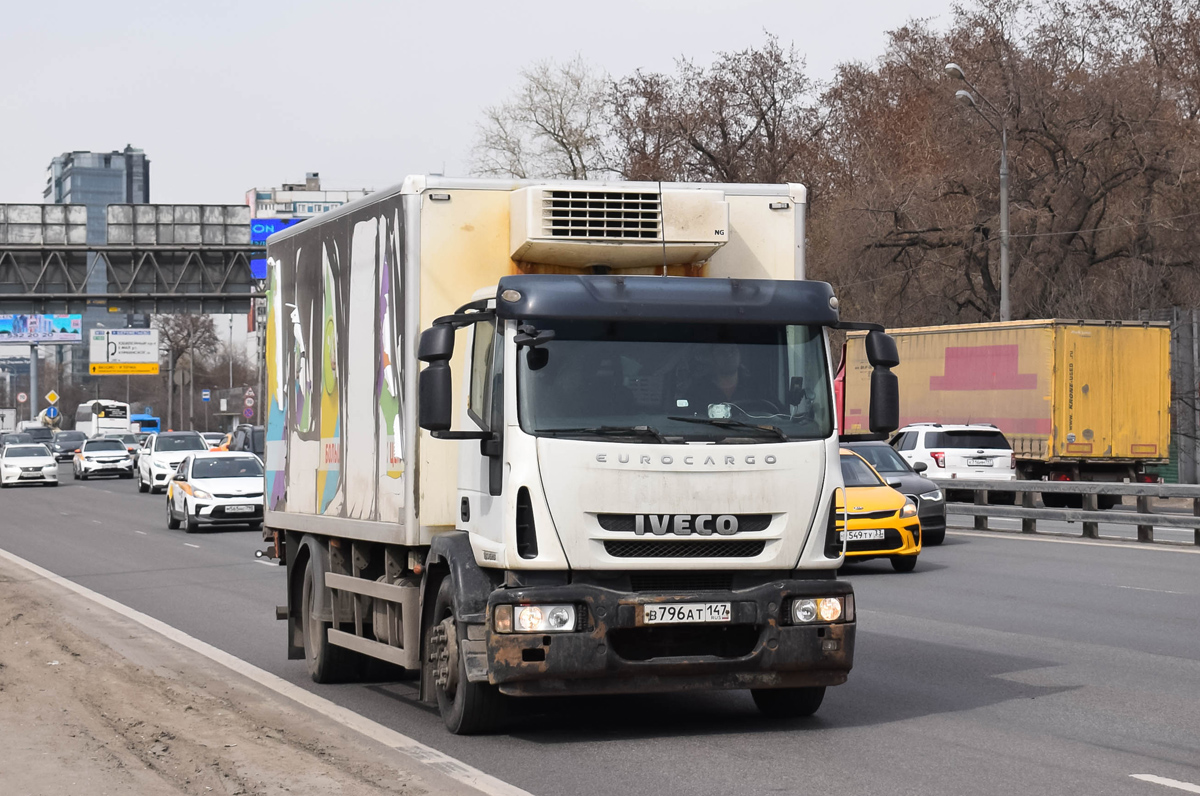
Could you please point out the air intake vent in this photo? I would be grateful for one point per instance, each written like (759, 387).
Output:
(619, 226)
(707, 549)
(527, 546)
(601, 215)
(680, 581)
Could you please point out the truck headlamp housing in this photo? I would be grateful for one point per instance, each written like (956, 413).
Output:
(535, 618)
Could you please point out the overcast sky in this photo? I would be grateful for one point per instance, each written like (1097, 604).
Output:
(224, 96)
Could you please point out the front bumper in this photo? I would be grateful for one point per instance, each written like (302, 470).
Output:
(106, 468)
(903, 539)
(615, 654)
(217, 512)
(40, 477)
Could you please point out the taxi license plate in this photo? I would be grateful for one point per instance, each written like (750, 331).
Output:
(979, 462)
(686, 613)
(868, 535)
(239, 509)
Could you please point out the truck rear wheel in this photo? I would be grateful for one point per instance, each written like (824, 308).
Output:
(466, 708)
(788, 703)
(326, 663)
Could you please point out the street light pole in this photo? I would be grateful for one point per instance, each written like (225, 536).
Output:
(967, 98)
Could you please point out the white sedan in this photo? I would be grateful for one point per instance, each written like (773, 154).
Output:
(216, 488)
(102, 457)
(27, 464)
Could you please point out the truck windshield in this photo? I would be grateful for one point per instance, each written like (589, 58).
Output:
(670, 382)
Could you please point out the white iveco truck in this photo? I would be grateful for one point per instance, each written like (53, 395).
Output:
(618, 470)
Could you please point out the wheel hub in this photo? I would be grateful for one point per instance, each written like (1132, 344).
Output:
(443, 654)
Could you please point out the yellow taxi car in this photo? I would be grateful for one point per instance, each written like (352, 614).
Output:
(881, 522)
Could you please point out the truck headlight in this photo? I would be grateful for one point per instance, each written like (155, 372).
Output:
(535, 618)
(933, 497)
(910, 508)
(818, 609)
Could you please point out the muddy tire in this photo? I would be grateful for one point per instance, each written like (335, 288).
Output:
(466, 708)
(788, 703)
(326, 662)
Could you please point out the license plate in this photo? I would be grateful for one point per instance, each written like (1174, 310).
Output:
(979, 462)
(683, 613)
(239, 509)
(868, 535)
(31, 475)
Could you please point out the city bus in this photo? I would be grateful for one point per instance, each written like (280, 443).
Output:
(100, 417)
(145, 423)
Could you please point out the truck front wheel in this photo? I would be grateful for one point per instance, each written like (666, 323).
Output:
(788, 703)
(467, 708)
(326, 663)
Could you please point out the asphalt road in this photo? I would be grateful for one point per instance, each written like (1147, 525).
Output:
(1004, 664)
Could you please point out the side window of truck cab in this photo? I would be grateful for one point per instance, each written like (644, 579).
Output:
(479, 400)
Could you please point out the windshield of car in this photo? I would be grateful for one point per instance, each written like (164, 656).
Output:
(855, 472)
(70, 436)
(968, 439)
(883, 458)
(98, 445)
(187, 442)
(227, 467)
(39, 434)
(213, 436)
(14, 438)
(674, 382)
(258, 441)
(25, 451)
(127, 439)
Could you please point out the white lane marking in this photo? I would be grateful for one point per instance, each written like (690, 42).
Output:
(143, 533)
(1156, 591)
(1028, 537)
(1170, 783)
(450, 766)
(266, 563)
(97, 522)
(189, 544)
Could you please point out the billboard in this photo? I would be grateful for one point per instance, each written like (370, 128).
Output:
(41, 328)
(123, 352)
(260, 230)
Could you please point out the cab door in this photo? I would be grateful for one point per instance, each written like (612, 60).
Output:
(175, 494)
(481, 498)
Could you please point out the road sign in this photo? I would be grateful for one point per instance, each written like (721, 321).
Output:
(249, 413)
(123, 347)
(123, 368)
(51, 412)
(249, 402)
(249, 392)
(205, 395)
(52, 398)
(22, 397)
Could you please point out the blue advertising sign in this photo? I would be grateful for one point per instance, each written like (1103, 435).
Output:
(41, 328)
(260, 230)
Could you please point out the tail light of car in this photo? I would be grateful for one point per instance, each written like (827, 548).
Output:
(939, 458)
(1012, 462)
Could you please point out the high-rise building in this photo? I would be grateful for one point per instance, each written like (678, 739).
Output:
(97, 179)
(298, 200)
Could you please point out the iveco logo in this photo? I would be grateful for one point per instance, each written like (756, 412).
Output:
(688, 461)
(685, 524)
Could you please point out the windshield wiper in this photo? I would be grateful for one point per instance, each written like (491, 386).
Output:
(612, 431)
(721, 422)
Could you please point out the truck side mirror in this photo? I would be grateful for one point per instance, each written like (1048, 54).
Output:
(885, 401)
(437, 343)
(881, 350)
(434, 398)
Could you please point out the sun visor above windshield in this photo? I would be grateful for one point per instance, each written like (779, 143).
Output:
(666, 299)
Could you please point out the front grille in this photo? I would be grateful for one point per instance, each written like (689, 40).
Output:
(680, 581)
(705, 549)
(31, 469)
(627, 523)
(873, 515)
(248, 495)
(647, 643)
(599, 215)
(891, 541)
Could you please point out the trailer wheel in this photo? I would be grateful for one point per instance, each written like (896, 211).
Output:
(788, 703)
(466, 708)
(326, 663)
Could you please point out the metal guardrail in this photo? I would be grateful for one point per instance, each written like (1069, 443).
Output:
(1089, 515)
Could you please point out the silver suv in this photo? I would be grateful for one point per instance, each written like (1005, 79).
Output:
(978, 451)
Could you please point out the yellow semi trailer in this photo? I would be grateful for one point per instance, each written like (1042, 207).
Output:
(1078, 400)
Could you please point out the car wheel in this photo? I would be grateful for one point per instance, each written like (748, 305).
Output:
(83, 476)
(74, 474)
(142, 487)
(467, 708)
(326, 663)
(788, 703)
(172, 522)
(904, 563)
(192, 525)
(933, 538)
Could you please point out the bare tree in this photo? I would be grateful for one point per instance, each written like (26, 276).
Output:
(551, 127)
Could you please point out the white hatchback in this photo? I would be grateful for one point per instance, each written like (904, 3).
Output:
(979, 451)
(27, 464)
(216, 488)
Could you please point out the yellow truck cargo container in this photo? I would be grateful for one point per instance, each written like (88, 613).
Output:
(1078, 400)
